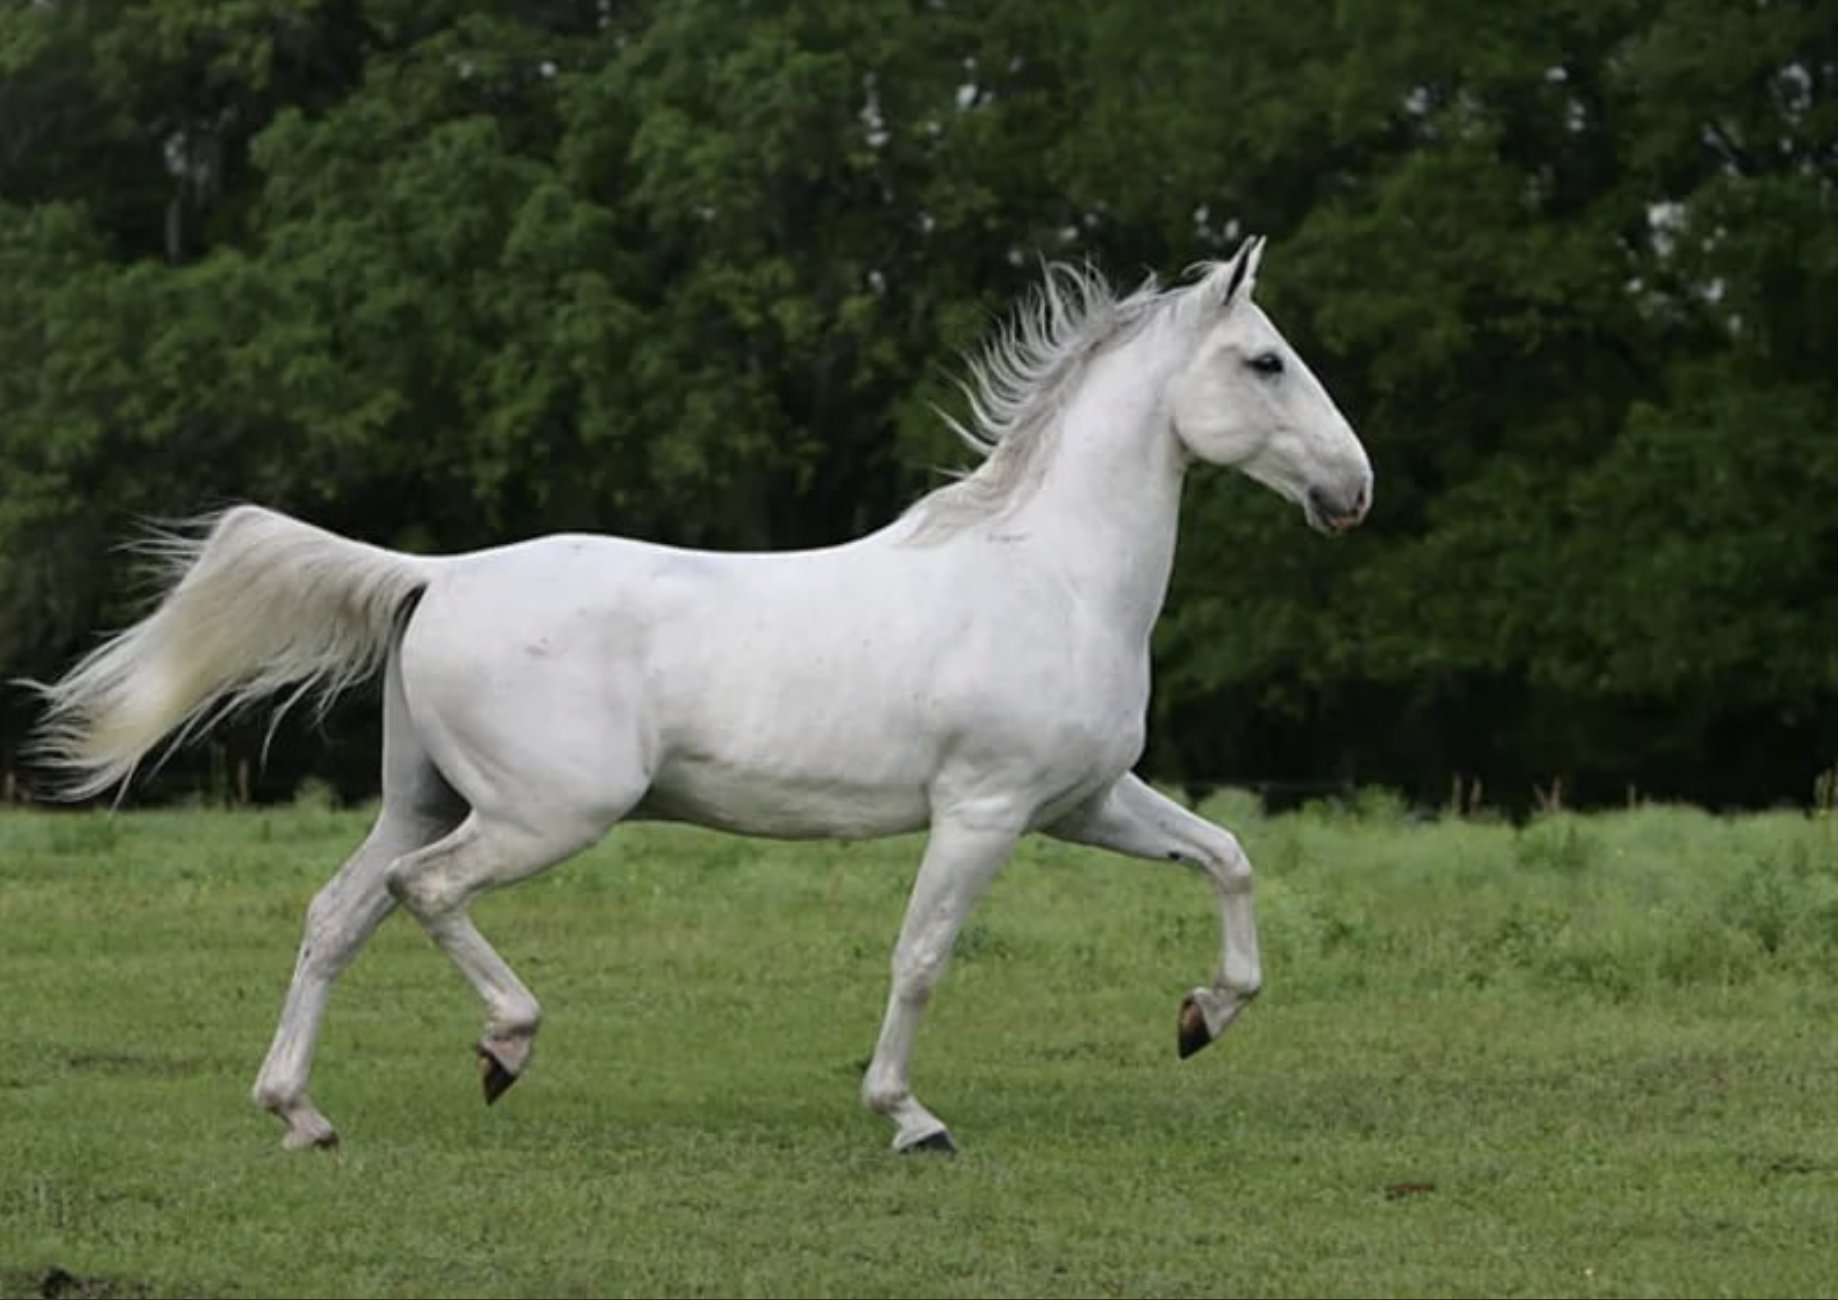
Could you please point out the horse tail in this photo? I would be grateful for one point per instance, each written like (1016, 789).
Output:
(254, 602)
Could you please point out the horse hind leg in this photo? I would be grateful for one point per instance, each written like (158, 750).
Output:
(342, 916)
(437, 884)
(418, 808)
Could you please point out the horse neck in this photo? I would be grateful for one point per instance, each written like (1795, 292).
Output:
(1107, 505)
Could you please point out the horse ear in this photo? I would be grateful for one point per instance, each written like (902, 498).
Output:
(1228, 281)
(1223, 283)
(1240, 274)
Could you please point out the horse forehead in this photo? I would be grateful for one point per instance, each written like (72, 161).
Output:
(1246, 327)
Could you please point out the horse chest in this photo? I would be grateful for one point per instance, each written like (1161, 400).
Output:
(1074, 721)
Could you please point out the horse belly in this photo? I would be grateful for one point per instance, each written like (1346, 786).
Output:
(792, 713)
(755, 799)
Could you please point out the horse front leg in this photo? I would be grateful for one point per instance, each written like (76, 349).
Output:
(1132, 818)
(961, 858)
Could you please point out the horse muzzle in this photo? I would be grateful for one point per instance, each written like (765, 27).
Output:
(1337, 511)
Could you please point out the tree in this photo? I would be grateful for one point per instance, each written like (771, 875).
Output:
(445, 274)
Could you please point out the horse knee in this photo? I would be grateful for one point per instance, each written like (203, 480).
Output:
(1226, 862)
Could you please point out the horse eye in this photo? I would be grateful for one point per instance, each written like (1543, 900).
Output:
(1266, 363)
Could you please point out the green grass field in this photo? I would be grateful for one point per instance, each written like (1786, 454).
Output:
(1592, 1056)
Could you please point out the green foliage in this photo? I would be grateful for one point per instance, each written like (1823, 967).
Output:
(446, 274)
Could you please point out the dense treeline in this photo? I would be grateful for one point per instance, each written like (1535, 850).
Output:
(442, 273)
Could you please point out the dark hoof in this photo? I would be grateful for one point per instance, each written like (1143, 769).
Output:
(938, 1143)
(1194, 1034)
(494, 1076)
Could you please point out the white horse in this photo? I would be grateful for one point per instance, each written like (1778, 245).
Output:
(978, 668)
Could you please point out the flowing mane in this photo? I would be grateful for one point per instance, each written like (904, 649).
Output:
(1018, 383)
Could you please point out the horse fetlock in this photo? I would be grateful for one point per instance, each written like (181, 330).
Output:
(309, 1133)
(883, 1097)
(512, 1051)
(275, 1097)
(1237, 985)
(307, 1129)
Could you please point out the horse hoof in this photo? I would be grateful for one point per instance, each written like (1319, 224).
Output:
(314, 1139)
(494, 1076)
(1193, 1031)
(938, 1143)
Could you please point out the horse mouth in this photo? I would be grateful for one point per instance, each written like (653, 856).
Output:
(1329, 525)
(1329, 518)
